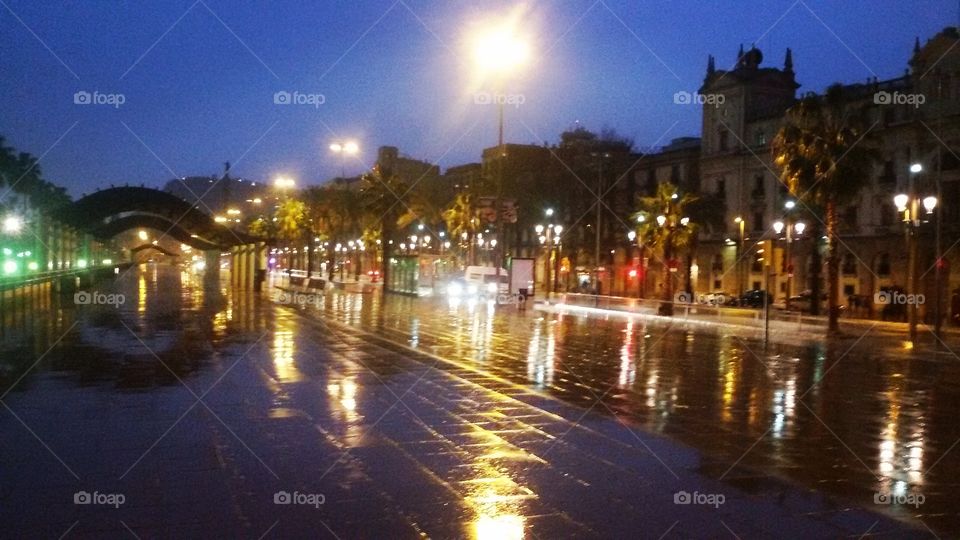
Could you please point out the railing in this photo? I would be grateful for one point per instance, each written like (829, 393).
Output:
(778, 318)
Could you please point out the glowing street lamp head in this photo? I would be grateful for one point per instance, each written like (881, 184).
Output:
(500, 50)
(632, 235)
(661, 220)
(284, 182)
(12, 224)
(738, 220)
(929, 203)
(916, 168)
(799, 227)
(351, 148)
(901, 201)
(789, 205)
(778, 227)
(336, 147)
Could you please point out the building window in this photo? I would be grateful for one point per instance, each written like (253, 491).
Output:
(889, 174)
(722, 188)
(849, 266)
(717, 265)
(758, 221)
(761, 138)
(850, 217)
(724, 139)
(883, 264)
(758, 186)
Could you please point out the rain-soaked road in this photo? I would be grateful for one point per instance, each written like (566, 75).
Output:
(187, 410)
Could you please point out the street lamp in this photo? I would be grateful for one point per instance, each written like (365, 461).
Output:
(284, 183)
(12, 224)
(549, 237)
(344, 149)
(741, 224)
(499, 51)
(908, 205)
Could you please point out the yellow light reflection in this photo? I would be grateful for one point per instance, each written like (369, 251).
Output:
(283, 351)
(504, 527)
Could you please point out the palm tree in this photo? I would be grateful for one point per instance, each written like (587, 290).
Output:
(382, 197)
(462, 221)
(292, 223)
(664, 224)
(824, 163)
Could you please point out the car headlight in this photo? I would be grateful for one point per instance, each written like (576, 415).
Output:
(472, 289)
(454, 289)
(492, 288)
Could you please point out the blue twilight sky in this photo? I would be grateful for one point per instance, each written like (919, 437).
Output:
(198, 77)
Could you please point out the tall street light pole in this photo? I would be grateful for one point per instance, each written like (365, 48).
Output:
(908, 204)
(740, 271)
(344, 149)
(498, 52)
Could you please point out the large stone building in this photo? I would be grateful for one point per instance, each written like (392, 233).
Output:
(915, 120)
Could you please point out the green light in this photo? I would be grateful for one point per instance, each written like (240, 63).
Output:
(33, 266)
(9, 267)
(7, 251)
(82, 263)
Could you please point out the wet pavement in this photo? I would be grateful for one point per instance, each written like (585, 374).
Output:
(189, 411)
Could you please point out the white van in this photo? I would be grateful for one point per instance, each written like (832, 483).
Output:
(483, 279)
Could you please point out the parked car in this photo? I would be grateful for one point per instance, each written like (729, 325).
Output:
(756, 298)
(804, 301)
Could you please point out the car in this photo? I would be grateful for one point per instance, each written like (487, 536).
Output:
(756, 298)
(803, 302)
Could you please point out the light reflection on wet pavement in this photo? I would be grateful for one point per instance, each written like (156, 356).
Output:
(416, 417)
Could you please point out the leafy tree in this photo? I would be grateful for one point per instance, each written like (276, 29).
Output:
(825, 163)
(664, 224)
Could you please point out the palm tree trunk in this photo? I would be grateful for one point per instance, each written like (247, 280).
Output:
(833, 269)
(666, 305)
(816, 264)
(385, 234)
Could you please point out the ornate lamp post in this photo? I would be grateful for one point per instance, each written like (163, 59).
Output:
(908, 205)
